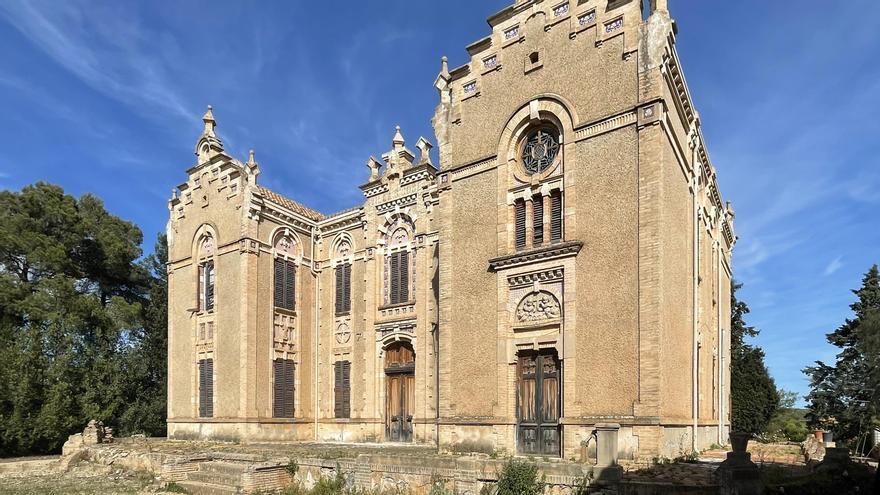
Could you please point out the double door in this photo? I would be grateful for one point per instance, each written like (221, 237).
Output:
(538, 402)
(400, 380)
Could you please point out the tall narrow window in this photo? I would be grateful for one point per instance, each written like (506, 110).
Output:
(283, 388)
(343, 288)
(285, 284)
(538, 220)
(206, 286)
(556, 216)
(519, 207)
(342, 389)
(399, 277)
(206, 388)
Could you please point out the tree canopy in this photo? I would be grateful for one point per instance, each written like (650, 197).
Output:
(844, 396)
(753, 395)
(79, 325)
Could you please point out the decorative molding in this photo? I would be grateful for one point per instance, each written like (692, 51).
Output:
(528, 279)
(607, 125)
(378, 189)
(543, 253)
(408, 200)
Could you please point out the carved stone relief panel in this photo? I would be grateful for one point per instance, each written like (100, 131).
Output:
(538, 306)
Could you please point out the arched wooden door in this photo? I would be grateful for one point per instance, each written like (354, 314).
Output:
(400, 380)
(538, 397)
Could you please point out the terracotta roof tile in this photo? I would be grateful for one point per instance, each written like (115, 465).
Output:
(291, 204)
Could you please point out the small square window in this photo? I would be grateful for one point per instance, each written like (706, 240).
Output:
(587, 18)
(470, 87)
(560, 10)
(511, 33)
(490, 62)
(614, 25)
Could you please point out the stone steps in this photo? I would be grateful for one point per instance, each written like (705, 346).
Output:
(199, 488)
(215, 478)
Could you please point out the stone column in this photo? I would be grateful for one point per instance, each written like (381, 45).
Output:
(607, 468)
(530, 223)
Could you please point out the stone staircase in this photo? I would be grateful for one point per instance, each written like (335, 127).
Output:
(215, 478)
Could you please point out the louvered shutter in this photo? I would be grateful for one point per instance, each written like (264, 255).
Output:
(288, 388)
(209, 388)
(203, 390)
(538, 219)
(209, 285)
(556, 216)
(403, 266)
(340, 289)
(394, 263)
(346, 389)
(279, 282)
(520, 223)
(277, 388)
(290, 286)
(337, 390)
(346, 296)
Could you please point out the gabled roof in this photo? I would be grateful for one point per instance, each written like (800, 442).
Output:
(290, 204)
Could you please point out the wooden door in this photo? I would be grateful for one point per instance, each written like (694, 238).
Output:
(400, 382)
(538, 402)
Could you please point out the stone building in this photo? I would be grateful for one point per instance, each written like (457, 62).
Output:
(566, 264)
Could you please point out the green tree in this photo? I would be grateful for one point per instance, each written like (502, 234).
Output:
(146, 354)
(71, 294)
(753, 392)
(844, 397)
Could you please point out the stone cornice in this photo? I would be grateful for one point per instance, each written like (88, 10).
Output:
(543, 253)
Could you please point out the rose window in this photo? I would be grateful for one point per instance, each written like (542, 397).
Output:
(539, 151)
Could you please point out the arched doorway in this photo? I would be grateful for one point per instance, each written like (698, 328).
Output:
(400, 380)
(539, 376)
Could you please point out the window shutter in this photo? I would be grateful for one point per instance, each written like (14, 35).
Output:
(290, 286)
(556, 216)
(538, 219)
(394, 267)
(209, 285)
(209, 388)
(403, 266)
(340, 289)
(279, 282)
(520, 223)
(346, 389)
(277, 388)
(202, 390)
(288, 388)
(346, 296)
(337, 390)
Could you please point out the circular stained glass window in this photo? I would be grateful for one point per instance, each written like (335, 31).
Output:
(539, 150)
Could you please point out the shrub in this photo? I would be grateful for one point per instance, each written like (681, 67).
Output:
(520, 478)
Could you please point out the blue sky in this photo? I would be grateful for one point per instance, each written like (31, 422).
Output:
(106, 97)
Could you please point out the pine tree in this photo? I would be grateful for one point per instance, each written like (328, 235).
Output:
(71, 291)
(844, 397)
(753, 393)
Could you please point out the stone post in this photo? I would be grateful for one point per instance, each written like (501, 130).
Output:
(738, 475)
(607, 468)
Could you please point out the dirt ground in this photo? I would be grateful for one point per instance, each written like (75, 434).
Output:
(84, 479)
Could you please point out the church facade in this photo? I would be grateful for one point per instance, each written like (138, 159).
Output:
(566, 266)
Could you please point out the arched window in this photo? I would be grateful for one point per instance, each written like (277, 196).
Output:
(399, 267)
(285, 273)
(207, 277)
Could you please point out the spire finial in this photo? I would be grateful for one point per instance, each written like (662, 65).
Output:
(251, 160)
(424, 147)
(398, 138)
(209, 121)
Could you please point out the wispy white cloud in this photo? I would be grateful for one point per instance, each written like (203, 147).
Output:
(106, 50)
(833, 266)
